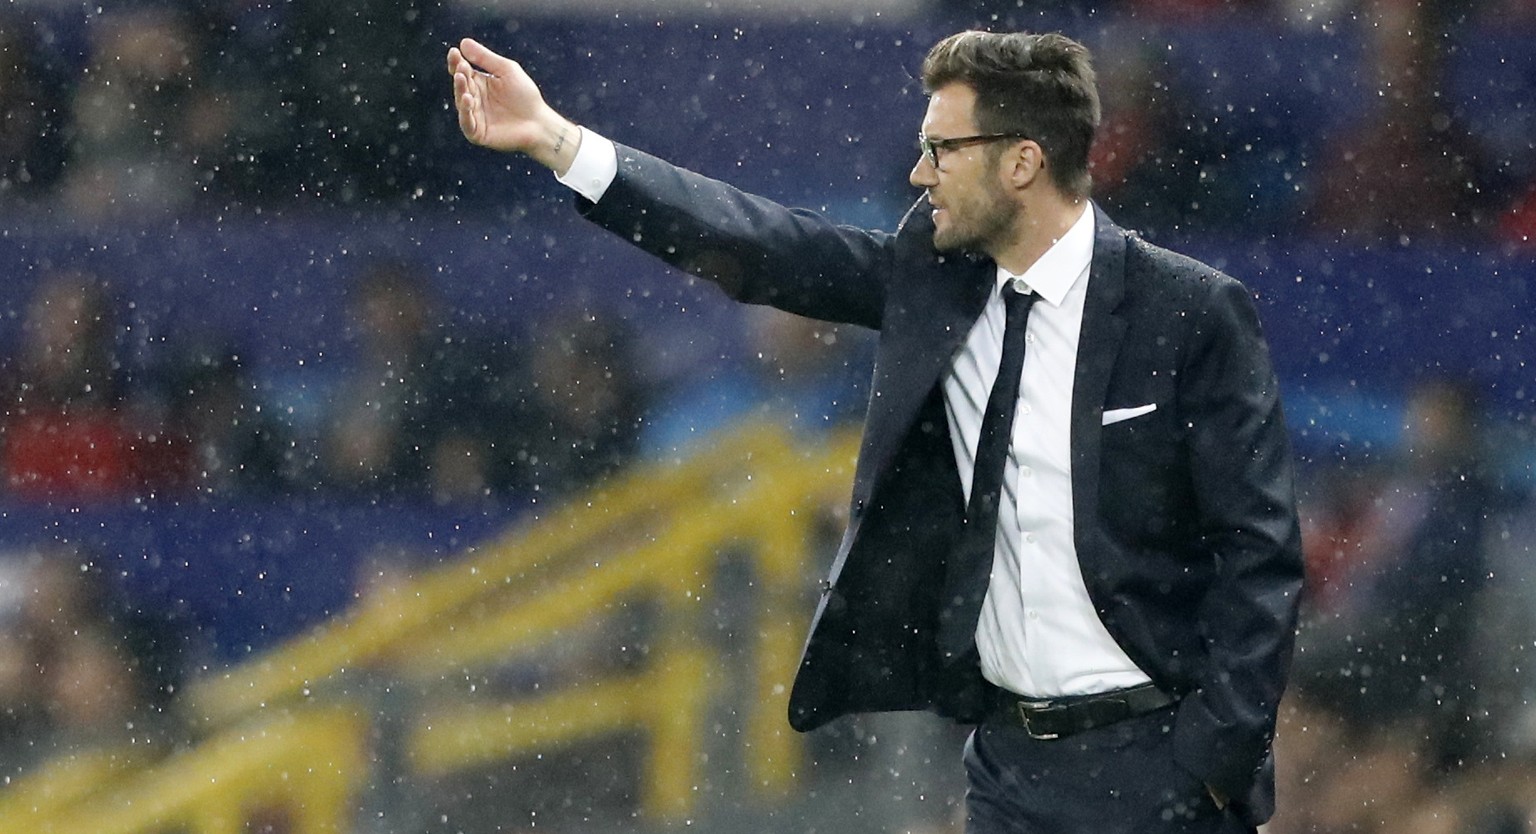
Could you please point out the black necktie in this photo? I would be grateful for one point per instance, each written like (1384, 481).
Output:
(970, 566)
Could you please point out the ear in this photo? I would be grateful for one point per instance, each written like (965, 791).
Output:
(1024, 164)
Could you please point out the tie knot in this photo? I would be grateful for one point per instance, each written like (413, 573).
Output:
(1017, 299)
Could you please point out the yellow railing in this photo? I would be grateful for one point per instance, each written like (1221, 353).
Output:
(770, 516)
(667, 702)
(302, 766)
(645, 500)
(656, 533)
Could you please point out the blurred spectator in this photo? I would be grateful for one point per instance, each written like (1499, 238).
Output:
(579, 420)
(94, 673)
(1346, 532)
(1410, 617)
(426, 409)
(234, 445)
(67, 432)
(1337, 776)
(1410, 169)
(237, 132)
(1398, 648)
(798, 372)
(1396, 714)
(361, 87)
(131, 116)
(32, 114)
(1146, 158)
(1196, 144)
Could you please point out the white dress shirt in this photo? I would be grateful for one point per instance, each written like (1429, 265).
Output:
(1038, 634)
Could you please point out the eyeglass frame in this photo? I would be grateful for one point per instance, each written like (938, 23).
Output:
(930, 148)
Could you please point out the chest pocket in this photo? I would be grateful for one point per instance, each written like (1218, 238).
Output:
(1144, 479)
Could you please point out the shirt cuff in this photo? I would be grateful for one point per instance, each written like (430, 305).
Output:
(593, 169)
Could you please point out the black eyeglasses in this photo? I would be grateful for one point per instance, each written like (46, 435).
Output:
(931, 147)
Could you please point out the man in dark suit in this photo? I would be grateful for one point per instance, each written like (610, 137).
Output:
(1073, 519)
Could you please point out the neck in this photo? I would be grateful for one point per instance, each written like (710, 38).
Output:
(1040, 225)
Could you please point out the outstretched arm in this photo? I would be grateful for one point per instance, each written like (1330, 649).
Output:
(757, 250)
(501, 108)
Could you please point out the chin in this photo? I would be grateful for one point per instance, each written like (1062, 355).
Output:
(945, 242)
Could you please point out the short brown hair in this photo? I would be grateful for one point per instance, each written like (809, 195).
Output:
(1042, 86)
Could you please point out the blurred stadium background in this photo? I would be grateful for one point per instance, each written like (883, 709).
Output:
(351, 483)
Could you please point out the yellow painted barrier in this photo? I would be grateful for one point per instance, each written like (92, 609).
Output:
(305, 765)
(60, 783)
(360, 635)
(667, 702)
(771, 513)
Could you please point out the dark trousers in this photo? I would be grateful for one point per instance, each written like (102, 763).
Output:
(1116, 779)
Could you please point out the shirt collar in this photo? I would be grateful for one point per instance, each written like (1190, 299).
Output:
(1062, 265)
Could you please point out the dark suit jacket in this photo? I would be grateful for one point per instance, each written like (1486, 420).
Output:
(1186, 527)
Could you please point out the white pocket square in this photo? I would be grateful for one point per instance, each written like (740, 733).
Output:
(1116, 415)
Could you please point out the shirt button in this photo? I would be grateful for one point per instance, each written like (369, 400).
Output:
(1033, 614)
(1029, 537)
(1024, 408)
(1029, 338)
(1025, 472)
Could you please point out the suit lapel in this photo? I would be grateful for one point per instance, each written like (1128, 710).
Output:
(926, 330)
(920, 335)
(1098, 348)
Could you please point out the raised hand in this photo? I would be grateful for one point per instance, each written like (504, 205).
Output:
(501, 108)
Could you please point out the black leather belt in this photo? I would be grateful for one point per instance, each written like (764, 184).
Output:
(1058, 717)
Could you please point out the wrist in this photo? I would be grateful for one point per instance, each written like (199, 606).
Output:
(556, 145)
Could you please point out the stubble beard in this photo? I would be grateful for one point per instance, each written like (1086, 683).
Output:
(989, 228)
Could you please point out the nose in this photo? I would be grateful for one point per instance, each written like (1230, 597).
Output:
(923, 175)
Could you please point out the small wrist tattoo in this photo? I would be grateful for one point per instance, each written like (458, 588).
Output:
(560, 141)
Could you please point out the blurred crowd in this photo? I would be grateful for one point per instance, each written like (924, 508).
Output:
(181, 107)
(427, 408)
(170, 106)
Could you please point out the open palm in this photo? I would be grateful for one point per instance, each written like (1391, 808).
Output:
(499, 105)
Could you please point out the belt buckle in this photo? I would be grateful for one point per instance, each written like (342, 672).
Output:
(1025, 708)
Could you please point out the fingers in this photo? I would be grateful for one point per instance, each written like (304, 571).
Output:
(464, 101)
(494, 97)
(459, 62)
(484, 58)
